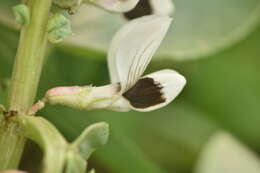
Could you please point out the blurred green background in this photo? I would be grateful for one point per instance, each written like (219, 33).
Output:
(218, 53)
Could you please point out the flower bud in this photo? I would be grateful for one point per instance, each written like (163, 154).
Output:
(69, 4)
(58, 28)
(22, 14)
(85, 97)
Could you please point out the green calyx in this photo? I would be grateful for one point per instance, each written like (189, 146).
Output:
(58, 28)
(22, 14)
(79, 151)
(92, 138)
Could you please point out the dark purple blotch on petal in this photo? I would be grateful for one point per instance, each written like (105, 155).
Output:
(142, 8)
(145, 93)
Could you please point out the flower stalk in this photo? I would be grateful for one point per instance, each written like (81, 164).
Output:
(25, 78)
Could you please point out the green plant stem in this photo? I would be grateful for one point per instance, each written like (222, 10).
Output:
(25, 79)
(11, 146)
(29, 58)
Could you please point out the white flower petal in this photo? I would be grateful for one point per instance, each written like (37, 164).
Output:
(162, 7)
(115, 5)
(133, 47)
(165, 86)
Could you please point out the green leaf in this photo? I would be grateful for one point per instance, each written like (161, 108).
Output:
(8, 45)
(199, 28)
(224, 154)
(126, 156)
(173, 136)
(226, 87)
(92, 138)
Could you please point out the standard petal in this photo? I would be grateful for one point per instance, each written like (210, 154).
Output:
(155, 90)
(162, 7)
(133, 47)
(115, 5)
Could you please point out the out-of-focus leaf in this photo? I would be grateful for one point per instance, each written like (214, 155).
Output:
(122, 154)
(177, 132)
(7, 17)
(8, 44)
(226, 86)
(199, 28)
(13, 2)
(224, 154)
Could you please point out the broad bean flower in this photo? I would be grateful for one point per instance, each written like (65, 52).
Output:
(131, 50)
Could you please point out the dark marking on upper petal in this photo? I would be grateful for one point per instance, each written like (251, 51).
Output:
(145, 93)
(142, 8)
